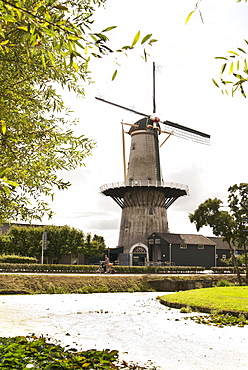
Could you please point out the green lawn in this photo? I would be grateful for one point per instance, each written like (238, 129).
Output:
(233, 298)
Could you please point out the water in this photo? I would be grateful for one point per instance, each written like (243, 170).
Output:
(136, 324)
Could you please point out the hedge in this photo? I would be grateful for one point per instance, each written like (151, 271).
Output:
(91, 269)
(227, 270)
(12, 258)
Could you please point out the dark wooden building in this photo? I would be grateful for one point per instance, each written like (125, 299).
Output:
(182, 249)
(222, 249)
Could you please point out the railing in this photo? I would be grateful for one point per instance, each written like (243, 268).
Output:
(140, 183)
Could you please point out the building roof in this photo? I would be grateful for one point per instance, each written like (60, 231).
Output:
(220, 244)
(185, 239)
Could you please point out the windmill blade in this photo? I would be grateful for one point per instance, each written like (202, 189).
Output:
(187, 133)
(172, 128)
(122, 107)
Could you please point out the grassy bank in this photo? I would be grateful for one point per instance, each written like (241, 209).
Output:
(232, 299)
(52, 284)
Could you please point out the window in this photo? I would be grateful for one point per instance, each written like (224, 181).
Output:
(127, 224)
(183, 246)
(223, 256)
(157, 241)
(200, 246)
(139, 249)
(150, 241)
(133, 146)
(150, 211)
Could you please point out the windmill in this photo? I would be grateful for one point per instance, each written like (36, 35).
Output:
(143, 195)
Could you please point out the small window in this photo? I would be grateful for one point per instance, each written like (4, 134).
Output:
(223, 256)
(157, 241)
(150, 241)
(200, 246)
(183, 246)
(133, 146)
(150, 211)
(127, 224)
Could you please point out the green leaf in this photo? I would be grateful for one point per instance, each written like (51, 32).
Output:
(233, 52)
(76, 67)
(221, 58)
(61, 7)
(109, 28)
(43, 60)
(145, 55)
(4, 42)
(114, 75)
(223, 68)
(215, 82)
(231, 68)
(243, 51)
(242, 91)
(189, 16)
(4, 128)
(147, 37)
(23, 28)
(152, 40)
(136, 39)
(12, 183)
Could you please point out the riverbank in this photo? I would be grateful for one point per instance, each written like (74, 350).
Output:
(224, 300)
(73, 284)
(65, 284)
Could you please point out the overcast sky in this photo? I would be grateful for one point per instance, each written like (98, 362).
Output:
(185, 94)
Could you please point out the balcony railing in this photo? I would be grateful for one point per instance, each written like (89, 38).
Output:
(146, 183)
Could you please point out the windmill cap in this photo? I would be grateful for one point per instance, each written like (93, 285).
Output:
(142, 124)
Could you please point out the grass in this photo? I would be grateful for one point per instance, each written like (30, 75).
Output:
(62, 284)
(223, 299)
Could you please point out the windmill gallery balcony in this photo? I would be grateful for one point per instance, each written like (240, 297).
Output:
(125, 195)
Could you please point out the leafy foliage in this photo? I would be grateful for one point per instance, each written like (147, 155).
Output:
(229, 225)
(235, 64)
(43, 45)
(16, 259)
(93, 247)
(38, 353)
(229, 262)
(61, 240)
(221, 320)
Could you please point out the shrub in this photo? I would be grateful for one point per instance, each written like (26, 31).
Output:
(17, 259)
(224, 282)
(186, 309)
(91, 269)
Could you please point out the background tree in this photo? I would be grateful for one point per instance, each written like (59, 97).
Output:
(94, 247)
(23, 241)
(61, 240)
(228, 225)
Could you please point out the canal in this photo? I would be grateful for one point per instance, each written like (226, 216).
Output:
(136, 324)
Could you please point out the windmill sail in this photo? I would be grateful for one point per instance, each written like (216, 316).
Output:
(171, 127)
